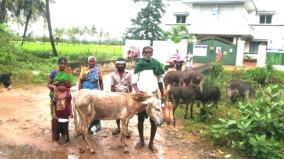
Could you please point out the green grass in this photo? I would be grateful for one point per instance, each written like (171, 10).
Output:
(201, 128)
(76, 52)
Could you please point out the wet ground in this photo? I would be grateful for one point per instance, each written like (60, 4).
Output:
(25, 133)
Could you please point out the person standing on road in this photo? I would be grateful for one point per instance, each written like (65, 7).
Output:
(91, 77)
(147, 69)
(60, 74)
(120, 81)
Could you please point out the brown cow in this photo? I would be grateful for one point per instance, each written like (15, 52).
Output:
(110, 106)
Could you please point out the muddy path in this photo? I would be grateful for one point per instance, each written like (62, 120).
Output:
(25, 133)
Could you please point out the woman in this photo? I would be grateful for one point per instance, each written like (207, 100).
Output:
(60, 74)
(92, 78)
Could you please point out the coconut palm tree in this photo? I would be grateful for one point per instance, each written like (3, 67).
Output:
(47, 15)
(32, 10)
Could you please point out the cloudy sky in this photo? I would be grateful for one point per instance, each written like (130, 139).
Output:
(112, 16)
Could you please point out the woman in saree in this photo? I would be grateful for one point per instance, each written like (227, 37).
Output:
(91, 77)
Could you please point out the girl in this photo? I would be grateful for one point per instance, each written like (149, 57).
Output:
(60, 74)
(61, 105)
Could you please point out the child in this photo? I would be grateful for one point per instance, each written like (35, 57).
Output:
(62, 110)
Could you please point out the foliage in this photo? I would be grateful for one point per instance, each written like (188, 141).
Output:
(217, 70)
(75, 52)
(259, 130)
(265, 75)
(177, 33)
(6, 47)
(146, 25)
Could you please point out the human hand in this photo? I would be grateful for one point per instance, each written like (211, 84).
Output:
(139, 94)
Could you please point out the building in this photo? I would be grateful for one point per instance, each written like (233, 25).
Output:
(254, 27)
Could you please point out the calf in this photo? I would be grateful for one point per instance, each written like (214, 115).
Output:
(238, 88)
(109, 106)
(5, 79)
(186, 94)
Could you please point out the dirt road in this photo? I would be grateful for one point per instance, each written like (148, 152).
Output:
(25, 133)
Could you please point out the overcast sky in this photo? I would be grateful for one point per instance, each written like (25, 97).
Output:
(112, 16)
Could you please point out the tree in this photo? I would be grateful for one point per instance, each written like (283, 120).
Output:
(3, 11)
(50, 28)
(146, 25)
(32, 10)
(58, 33)
(177, 33)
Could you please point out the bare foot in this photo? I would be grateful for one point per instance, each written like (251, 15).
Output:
(139, 145)
(153, 148)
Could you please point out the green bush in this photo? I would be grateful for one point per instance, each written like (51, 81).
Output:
(265, 75)
(259, 130)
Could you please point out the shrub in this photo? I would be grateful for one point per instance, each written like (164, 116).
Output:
(259, 130)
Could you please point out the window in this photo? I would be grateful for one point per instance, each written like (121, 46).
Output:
(181, 18)
(265, 19)
(253, 47)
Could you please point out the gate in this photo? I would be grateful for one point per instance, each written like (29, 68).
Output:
(229, 51)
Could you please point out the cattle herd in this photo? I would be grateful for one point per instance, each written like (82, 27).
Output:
(187, 87)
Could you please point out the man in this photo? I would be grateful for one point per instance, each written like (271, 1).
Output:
(120, 81)
(147, 78)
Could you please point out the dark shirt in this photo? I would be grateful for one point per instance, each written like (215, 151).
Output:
(62, 107)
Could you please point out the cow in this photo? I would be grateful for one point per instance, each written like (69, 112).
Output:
(5, 79)
(110, 106)
(238, 88)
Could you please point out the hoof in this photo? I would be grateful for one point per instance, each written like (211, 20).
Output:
(92, 151)
(81, 150)
(125, 150)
